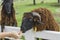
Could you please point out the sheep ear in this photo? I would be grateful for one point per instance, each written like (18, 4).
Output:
(24, 14)
(28, 13)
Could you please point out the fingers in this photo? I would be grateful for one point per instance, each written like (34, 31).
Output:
(20, 34)
(14, 35)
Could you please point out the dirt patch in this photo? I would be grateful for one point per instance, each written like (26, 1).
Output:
(55, 4)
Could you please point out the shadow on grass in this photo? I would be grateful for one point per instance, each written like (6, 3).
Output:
(45, 4)
(35, 4)
(55, 4)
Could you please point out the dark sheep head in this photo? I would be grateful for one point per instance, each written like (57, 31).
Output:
(29, 20)
(7, 4)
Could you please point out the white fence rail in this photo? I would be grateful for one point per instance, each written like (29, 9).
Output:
(51, 35)
(31, 35)
(10, 29)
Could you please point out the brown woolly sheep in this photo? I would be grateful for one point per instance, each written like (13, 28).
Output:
(7, 14)
(48, 20)
(39, 19)
(8, 21)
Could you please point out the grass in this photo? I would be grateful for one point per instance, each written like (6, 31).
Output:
(57, 19)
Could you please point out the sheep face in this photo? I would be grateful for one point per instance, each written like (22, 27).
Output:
(30, 19)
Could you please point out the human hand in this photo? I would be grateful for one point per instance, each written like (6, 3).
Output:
(20, 34)
(13, 35)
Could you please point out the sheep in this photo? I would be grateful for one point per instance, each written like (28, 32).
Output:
(39, 19)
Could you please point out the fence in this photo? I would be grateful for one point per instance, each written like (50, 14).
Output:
(31, 35)
(11, 29)
(50, 35)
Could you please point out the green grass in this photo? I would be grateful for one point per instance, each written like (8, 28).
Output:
(57, 19)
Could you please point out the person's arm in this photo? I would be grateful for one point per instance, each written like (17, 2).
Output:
(8, 34)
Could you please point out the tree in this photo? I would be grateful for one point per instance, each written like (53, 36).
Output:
(42, 1)
(58, 1)
(34, 2)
